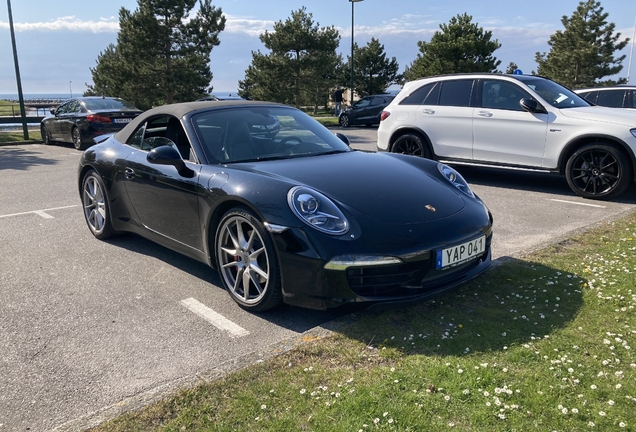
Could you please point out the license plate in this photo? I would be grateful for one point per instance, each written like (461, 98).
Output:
(122, 120)
(460, 253)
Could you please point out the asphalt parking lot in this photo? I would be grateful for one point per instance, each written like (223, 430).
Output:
(91, 328)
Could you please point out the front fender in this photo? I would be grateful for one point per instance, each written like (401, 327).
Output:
(575, 143)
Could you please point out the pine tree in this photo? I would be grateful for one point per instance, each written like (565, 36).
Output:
(300, 67)
(162, 53)
(373, 72)
(461, 46)
(583, 53)
(511, 68)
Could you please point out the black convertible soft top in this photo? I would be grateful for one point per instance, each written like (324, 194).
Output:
(180, 109)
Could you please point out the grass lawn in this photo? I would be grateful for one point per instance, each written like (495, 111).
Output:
(8, 108)
(536, 344)
(18, 136)
(327, 120)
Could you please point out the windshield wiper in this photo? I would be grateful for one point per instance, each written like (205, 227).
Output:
(287, 156)
(258, 159)
(331, 152)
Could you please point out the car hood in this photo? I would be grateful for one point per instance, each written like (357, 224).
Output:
(602, 114)
(390, 188)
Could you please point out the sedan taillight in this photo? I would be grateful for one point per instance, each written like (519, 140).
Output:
(384, 115)
(93, 118)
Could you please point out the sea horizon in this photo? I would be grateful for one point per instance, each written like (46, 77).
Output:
(63, 96)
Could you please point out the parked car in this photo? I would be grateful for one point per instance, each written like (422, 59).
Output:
(217, 98)
(296, 217)
(365, 111)
(514, 121)
(81, 119)
(616, 97)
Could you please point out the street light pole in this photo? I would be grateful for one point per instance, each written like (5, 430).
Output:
(70, 88)
(631, 54)
(352, 24)
(25, 129)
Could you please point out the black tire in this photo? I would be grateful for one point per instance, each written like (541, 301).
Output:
(344, 120)
(76, 136)
(411, 144)
(96, 206)
(46, 139)
(241, 246)
(598, 171)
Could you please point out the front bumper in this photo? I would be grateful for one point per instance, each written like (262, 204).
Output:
(307, 283)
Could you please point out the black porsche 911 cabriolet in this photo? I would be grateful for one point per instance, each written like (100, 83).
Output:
(283, 208)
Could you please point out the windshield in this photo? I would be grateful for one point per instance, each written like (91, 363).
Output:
(553, 93)
(241, 134)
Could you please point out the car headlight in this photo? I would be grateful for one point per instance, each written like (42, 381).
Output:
(633, 131)
(317, 211)
(456, 179)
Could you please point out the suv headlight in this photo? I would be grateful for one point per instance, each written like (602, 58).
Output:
(317, 211)
(633, 131)
(456, 179)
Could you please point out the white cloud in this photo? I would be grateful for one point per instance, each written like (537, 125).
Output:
(234, 24)
(252, 27)
(419, 26)
(390, 30)
(491, 22)
(68, 23)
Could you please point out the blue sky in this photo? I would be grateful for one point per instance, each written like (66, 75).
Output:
(59, 41)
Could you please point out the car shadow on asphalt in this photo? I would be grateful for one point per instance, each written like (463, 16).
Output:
(290, 317)
(531, 181)
(22, 158)
(502, 301)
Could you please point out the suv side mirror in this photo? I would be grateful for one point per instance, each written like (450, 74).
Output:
(532, 106)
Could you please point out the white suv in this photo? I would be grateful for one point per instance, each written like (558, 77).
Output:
(514, 121)
(616, 97)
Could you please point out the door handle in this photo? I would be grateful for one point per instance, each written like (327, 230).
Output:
(129, 173)
(428, 111)
(484, 114)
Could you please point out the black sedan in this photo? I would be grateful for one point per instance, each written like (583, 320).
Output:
(288, 214)
(80, 120)
(365, 111)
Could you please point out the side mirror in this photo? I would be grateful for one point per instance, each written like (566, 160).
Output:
(52, 110)
(343, 138)
(168, 155)
(532, 106)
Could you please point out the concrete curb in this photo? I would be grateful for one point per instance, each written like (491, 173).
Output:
(17, 143)
(171, 388)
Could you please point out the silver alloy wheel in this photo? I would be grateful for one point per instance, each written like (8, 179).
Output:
(243, 260)
(77, 138)
(45, 135)
(94, 205)
(344, 120)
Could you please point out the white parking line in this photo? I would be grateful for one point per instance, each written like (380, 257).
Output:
(44, 215)
(214, 318)
(579, 203)
(41, 213)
